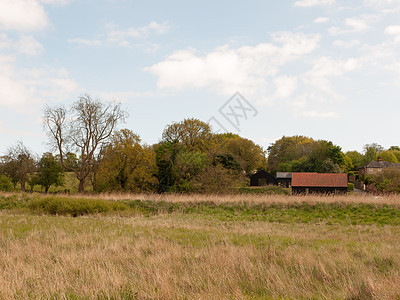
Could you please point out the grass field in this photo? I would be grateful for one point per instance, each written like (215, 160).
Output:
(199, 247)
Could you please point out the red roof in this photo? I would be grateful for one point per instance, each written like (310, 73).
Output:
(319, 180)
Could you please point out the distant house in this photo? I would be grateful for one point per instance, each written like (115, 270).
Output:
(326, 183)
(376, 166)
(262, 178)
(284, 179)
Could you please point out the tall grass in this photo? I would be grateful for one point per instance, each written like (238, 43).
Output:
(178, 256)
(252, 198)
(199, 247)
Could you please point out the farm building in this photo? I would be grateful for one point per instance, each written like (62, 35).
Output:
(376, 166)
(284, 179)
(326, 183)
(262, 178)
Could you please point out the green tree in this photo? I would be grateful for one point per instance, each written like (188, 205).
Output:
(126, 165)
(5, 183)
(326, 158)
(357, 159)
(192, 134)
(82, 130)
(187, 165)
(389, 155)
(180, 155)
(249, 155)
(228, 161)
(371, 152)
(166, 154)
(288, 149)
(49, 172)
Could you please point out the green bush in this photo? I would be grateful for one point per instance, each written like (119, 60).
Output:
(350, 187)
(74, 206)
(5, 184)
(13, 201)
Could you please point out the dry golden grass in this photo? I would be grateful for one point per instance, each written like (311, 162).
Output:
(245, 198)
(186, 256)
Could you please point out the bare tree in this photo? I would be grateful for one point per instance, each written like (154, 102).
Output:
(18, 163)
(82, 130)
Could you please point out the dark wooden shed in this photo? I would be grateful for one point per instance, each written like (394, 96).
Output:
(262, 178)
(324, 183)
(284, 179)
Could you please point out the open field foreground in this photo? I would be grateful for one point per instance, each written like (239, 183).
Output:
(254, 248)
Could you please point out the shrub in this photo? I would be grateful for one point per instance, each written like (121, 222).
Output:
(350, 187)
(13, 201)
(74, 207)
(388, 181)
(5, 184)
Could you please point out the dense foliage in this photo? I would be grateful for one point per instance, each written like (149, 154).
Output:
(188, 158)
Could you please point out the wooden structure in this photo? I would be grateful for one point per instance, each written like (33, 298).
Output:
(262, 178)
(284, 179)
(323, 183)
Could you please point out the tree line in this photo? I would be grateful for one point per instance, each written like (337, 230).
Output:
(84, 141)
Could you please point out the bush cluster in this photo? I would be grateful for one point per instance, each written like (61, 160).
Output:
(74, 206)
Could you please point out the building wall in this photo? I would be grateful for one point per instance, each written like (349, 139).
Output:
(285, 182)
(262, 179)
(371, 171)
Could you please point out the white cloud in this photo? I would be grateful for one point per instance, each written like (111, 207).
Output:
(385, 6)
(125, 96)
(247, 69)
(85, 42)
(285, 86)
(58, 2)
(25, 90)
(394, 30)
(119, 37)
(158, 28)
(18, 133)
(22, 15)
(321, 20)
(346, 43)
(309, 3)
(325, 67)
(320, 114)
(26, 44)
(357, 24)
(5, 42)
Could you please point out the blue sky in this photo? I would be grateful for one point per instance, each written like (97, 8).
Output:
(326, 69)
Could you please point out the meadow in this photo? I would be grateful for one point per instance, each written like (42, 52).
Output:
(199, 247)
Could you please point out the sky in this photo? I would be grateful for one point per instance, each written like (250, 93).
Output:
(263, 69)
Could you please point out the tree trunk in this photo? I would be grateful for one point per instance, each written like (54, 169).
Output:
(81, 188)
(46, 189)
(22, 186)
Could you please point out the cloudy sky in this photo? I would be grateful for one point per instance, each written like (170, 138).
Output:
(327, 69)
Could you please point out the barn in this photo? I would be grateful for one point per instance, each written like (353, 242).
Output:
(262, 178)
(324, 183)
(284, 179)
